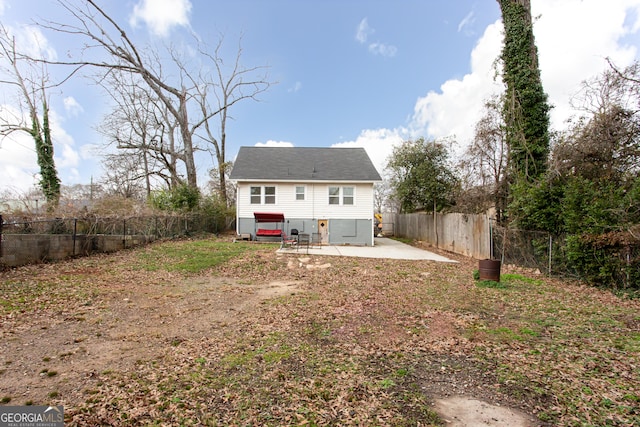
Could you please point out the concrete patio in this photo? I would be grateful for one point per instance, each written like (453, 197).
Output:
(384, 248)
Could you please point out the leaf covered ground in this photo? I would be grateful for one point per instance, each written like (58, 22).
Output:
(209, 332)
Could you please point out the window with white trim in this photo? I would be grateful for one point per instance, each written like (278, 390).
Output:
(342, 195)
(256, 195)
(269, 195)
(334, 195)
(263, 195)
(348, 195)
(300, 192)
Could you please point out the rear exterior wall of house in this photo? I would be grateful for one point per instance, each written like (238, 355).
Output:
(336, 213)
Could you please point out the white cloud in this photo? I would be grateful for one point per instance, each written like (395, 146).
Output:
(466, 22)
(90, 152)
(72, 106)
(3, 6)
(69, 157)
(72, 176)
(363, 32)
(17, 172)
(58, 133)
(295, 88)
(18, 160)
(573, 38)
(271, 143)
(161, 16)
(378, 143)
(377, 48)
(454, 110)
(31, 41)
(17, 157)
(16, 179)
(383, 49)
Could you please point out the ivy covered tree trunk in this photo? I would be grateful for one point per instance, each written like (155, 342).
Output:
(49, 181)
(40, 132)
(526, 111)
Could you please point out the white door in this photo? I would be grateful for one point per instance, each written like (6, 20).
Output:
(323, 231)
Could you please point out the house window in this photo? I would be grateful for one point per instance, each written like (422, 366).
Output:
(269, 195)
(334, 195)
(347, 195)
(300, 192)
(341, 195)
(256, 195)
(263, 195)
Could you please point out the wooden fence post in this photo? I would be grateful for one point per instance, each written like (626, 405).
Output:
(75, 233)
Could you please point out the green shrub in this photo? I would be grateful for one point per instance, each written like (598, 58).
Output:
(178, 199)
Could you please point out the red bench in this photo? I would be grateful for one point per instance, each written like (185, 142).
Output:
(268, 233)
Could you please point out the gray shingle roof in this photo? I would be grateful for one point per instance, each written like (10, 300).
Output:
(304, 164)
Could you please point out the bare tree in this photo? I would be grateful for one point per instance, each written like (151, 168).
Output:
(381, 191)
(605, 142)
(141, 127)
(484, 163)
(125, 176)
(32, 95)
(102, 32)
(214, 184)
(21, 202)
(383, 197)
(229, 86)
(82, 191)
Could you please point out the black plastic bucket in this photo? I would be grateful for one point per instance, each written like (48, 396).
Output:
(489, 269)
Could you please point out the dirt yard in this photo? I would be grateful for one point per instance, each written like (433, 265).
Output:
(261, 339)
(62, 349)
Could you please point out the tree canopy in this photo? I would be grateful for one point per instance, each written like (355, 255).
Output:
(591, 190)
(422, 176)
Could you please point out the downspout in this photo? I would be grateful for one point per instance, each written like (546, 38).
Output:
(314, 221)
(238, 210)
(490, 239)
(435, 223)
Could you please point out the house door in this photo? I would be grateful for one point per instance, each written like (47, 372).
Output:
(323, 231)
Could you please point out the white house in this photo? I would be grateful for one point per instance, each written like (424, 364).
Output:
(324, 192)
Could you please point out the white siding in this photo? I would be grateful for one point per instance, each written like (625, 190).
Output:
(316, 204)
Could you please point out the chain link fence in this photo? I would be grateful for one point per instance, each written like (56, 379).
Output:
(31, 239)
(156, 226)
(531, 249)
(614, 264)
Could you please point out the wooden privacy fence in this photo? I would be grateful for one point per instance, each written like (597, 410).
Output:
(464, 234)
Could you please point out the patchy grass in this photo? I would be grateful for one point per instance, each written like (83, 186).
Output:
(402, 239)
(492, 284)
(20, 295)
(193, 256)
(365, 342)
(507, 281)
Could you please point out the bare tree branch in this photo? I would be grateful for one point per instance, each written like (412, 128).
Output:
(32, 94)
(104, 35)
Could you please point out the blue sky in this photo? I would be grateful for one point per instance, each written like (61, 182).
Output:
(348, 73)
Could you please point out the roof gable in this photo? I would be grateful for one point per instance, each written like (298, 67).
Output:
(304, 164)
